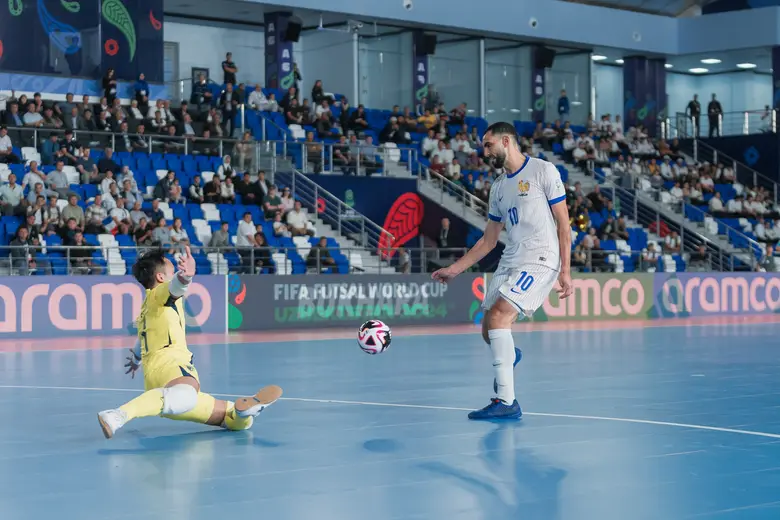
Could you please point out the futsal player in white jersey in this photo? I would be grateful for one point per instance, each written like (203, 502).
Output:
(530, 201)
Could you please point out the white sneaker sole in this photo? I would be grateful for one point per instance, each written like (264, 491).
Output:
(105, 427)
(251, 406)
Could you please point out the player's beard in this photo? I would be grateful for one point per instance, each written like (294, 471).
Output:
(498, 159)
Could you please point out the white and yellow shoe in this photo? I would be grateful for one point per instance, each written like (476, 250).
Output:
(251, 406)
(111, 420)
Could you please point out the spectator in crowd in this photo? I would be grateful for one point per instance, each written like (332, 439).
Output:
(319, 256)
(563, 106)
(693, 110)
(143, 234)
(714, 113)
(279, 227)
(23, 252)
(672, 244)
(220, 239)
(229, 69)
(110, 86)
(161, 236)
(298, 223)
(263, 256)
(272, 203)
(179, 237)
(288, 202)
(12, 197)
(80, 256)
(95, 215)
(7, 155)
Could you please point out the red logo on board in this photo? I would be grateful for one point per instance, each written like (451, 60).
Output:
(402, 222)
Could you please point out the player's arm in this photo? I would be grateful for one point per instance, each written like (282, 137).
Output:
(483, 246)
(134, 359)
(556, 197)
(179, 284)
(183, 277)
(561, 215)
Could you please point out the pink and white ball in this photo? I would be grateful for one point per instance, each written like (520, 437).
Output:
(374, 337)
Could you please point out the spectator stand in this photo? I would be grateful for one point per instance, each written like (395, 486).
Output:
(736, 229)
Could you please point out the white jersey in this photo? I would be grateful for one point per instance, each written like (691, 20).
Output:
(522, 201)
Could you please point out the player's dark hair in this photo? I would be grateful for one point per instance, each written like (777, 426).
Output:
(502, 128)
(147, 266)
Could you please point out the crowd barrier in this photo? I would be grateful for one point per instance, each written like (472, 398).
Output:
(57, 306)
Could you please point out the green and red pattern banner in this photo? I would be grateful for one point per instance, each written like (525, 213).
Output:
(83, 38)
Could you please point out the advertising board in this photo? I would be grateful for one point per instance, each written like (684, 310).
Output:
(54, 306)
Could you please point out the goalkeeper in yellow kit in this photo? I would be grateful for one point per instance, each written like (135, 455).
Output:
(170, 379)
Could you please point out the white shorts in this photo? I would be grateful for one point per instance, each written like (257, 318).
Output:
(526, 288)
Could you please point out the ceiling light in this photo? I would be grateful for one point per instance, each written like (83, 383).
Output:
(746, 65)
(668, 65)
(711, 61)
(619, 61)
(698, 70)
(598, 57)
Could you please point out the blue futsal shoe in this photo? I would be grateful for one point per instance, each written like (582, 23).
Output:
(518, 357)
(497, 409)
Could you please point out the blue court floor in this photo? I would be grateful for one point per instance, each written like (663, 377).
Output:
(657, 423)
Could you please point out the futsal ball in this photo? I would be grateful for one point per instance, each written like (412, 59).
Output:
(374, 337)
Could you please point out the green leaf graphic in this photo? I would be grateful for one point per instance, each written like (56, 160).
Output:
(73, 7)
(642, 114)
(235, 317)
(288, 81)
(15, 7)
(539, 104)
(473, 310)
(115, 13)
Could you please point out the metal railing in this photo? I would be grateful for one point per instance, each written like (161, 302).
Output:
(319, 157)
(146, 142)
(729, 123)
(23, 260)
(584, 259)
(470, 202)
(345, 219)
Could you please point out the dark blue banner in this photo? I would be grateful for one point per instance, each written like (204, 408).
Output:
(83, 38)
(644, 90)
(132, 34)
(776, 77)
(538, 94)
(278, 52)
(51, 37)
(420, 72)
(539, 64)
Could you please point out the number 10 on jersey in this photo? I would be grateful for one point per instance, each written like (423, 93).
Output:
(523, 283)
(513, 219)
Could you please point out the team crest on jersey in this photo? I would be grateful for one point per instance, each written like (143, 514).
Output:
(523, 187)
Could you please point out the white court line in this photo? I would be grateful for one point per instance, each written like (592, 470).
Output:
(430, 407)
